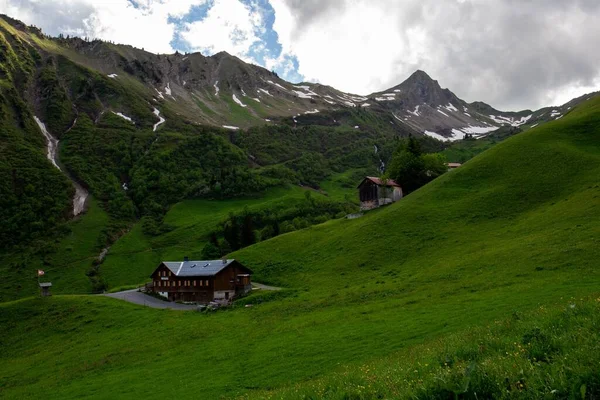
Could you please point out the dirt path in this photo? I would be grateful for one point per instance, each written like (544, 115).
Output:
(136, 297)
(142, 299)
(260, 286)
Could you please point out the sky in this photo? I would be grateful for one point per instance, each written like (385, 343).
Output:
(512, 54)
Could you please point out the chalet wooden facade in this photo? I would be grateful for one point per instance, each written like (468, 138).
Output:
(373, 193)
(201, 281)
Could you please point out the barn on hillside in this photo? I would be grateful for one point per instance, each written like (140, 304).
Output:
(373, 193)
(201, 281)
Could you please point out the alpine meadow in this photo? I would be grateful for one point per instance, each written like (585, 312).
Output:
(405, 244)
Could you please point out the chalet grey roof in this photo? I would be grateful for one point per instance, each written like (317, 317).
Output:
(197, 268)
(45, 284)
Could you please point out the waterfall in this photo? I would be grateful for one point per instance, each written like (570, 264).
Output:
(81, 194)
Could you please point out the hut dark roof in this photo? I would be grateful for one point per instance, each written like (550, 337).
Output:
(379, 182)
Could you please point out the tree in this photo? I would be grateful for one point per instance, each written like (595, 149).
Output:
(435, 165)
(411, 168)
(248, 237)
(210, 252)
(408, 170)
(231, 232)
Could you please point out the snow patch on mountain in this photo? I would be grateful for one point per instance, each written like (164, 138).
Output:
(233, 128)
(436, 136)
(315, 111)
(479, 130)
(264, 91)
(441, 112)
(216, 88)
(125, 117)
(450, 107)
(238, 101)
(161, 120)
(499, 119)
(457, 134)
(168, 90)
(302, 95)
(159, 93)
(277, 84)
(416, 112)
(113, 76)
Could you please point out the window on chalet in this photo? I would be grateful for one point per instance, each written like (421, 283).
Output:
(194, 282)
(206, 282)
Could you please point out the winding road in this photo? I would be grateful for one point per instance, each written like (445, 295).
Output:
(136, 297)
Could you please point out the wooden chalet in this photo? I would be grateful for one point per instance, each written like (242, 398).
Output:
(453, 165)
(201, 281)
(374, 192)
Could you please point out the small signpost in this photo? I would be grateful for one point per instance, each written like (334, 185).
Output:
(44, 286)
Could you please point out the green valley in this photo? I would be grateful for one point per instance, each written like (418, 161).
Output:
(476, 282)
(513, 230)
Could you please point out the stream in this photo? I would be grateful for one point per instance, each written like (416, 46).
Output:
(81, 194)
(381, 162)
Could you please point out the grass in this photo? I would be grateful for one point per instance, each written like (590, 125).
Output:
(515, 229)
(547, 353)
(65, 262)
(133, 258)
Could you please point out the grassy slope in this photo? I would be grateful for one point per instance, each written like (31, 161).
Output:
(65, 265)
(550, 352)
(134, 257)
(514, 228)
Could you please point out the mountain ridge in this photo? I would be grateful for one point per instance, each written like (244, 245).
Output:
(223, 90)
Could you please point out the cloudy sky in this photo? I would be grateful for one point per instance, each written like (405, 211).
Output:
(513, 54)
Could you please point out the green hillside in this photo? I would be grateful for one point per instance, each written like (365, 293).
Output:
(190, 223)
(110, 144)
(515, 229)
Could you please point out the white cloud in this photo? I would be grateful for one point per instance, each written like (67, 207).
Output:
(511, 54)
(145, 26)
(229, 26)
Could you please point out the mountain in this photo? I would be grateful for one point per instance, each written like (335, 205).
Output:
(222, 90)
(219, 90)
(421, 103)
(84, 123)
